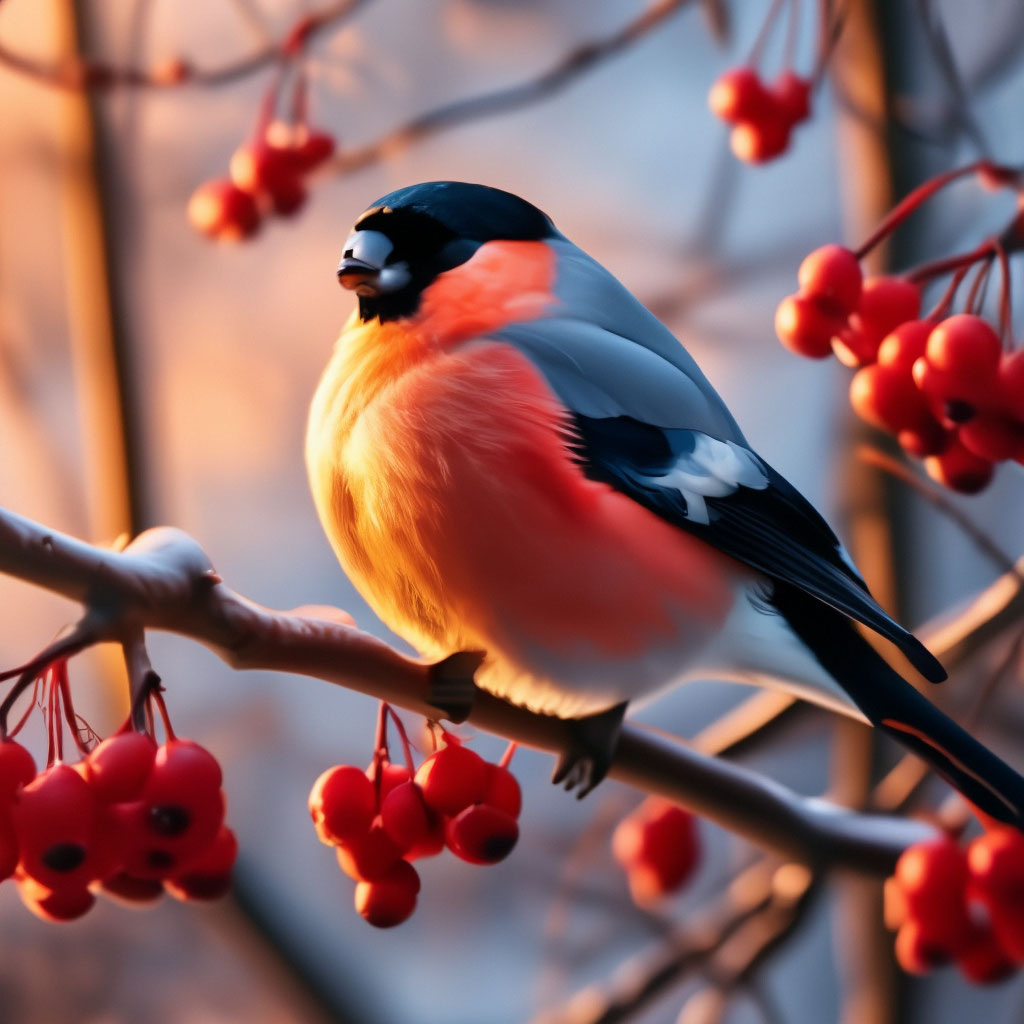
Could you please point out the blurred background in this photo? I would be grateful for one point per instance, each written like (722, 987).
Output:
(217, 349)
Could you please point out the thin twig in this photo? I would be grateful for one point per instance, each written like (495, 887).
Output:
(93, 74)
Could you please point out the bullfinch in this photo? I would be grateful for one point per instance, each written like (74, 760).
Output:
(510, 454)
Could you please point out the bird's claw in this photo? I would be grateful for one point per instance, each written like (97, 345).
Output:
(589, 751)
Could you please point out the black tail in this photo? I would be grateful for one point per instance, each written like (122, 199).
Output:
(895, 707)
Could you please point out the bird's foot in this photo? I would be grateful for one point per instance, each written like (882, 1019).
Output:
(591, 746)
(452, 689)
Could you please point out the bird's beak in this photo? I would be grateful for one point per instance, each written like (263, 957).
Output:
(358, 276)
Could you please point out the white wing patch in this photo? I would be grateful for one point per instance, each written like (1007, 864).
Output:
(714, 469)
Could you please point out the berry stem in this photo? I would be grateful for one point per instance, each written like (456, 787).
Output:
(403, 736)
(54, 733)
(979, 286)
(380, 751)
(33, 704)
(910, 203)
(158, 697)
(506, 758)
(762, 37)
(791, 33)
(1005, 309)
(963, 260)
(70, 717)
(941, 308)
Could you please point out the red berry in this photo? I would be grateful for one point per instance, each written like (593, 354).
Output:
(966, 345)
(9, 853)
(430, 845)
(184, 805)
(118, 768)
(125, 888)
(482, 835)
(406, 817)
(207, 876)
(888, 399)
(391, 775)
(658, 845)
(857, 343)
(995, 861)
(313, 150)
(887, 302)
(1011, 384)
(370, 856)
(792, 96)
(259, 168)
(452, 778)
(222, 211)
(805, 327)
(933, 877)
(916, 951)
(993, 437)
(983, 961)
(64, 905)
(831, 273)
(739, 95)
(905, 344)
(390, 899)
(17, 768)
(931, 439)
(55, 818)
(756, 142)
(342, 804)
(960, 469)
(503, 791)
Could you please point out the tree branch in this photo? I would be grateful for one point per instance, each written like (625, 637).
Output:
(164, 580)
(82, 73)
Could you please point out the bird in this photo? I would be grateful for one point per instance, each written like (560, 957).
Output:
(510, 454)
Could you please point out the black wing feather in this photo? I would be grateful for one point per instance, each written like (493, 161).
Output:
(775, 530)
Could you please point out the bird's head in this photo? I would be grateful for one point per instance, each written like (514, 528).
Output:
(406, 239)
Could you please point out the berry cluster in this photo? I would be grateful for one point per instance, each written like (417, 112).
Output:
(266, 175)
(130, 819)
(964, 906)
(948, 385)
(382, 819)
(658, 845)
(763, 116)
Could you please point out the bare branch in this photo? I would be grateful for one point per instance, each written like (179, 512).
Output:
(92, 74)
(163, 580)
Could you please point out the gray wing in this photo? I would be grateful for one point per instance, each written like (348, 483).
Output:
(605, 355)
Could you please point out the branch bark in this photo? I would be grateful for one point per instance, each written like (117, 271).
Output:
(164, 580)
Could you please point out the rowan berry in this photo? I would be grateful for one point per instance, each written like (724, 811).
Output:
(452, 778)
(342, 804)
(482, 834)
(502, 791)
(208, 875)
(390, 899)
(933, 878)
(832, 275)
(17, 768)
(887, 302)
(960, 469)
(406, 817)
(658, 845)
(66, 904)
(222, 211)
(118, 768)
(369, 856)
(805, 327)
(756, 142)
(792, 95)
(740, 95)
